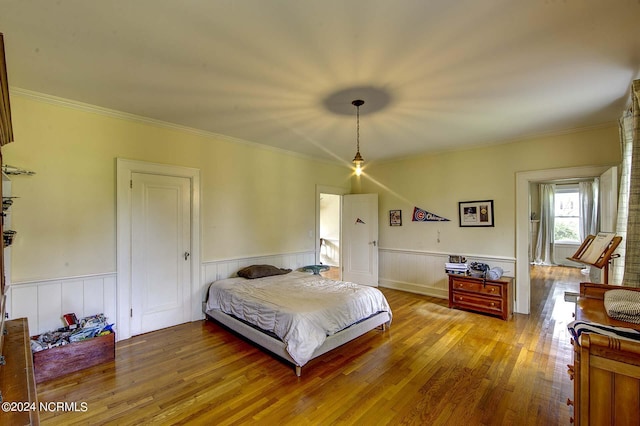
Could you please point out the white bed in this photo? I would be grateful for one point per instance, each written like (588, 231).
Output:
(297, 316)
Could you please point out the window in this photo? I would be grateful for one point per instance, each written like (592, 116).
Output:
(567, 214)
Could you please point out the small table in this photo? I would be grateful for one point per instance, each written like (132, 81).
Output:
(316, 269)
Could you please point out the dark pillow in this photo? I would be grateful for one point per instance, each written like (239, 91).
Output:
(259, 271)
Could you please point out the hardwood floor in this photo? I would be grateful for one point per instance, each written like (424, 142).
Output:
(434, 366)
(333, 273)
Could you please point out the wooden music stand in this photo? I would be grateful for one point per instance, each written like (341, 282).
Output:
(604, 257)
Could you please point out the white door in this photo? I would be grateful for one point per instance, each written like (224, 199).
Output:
(360, 239)
(160, 251)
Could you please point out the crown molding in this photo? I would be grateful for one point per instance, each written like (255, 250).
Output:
(85, 107)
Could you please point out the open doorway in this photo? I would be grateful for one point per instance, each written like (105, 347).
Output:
(523, 223)
(329, 233)
(563, 212)
(328, 229)
(351, 254)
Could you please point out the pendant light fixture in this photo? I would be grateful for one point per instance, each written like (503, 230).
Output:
(358, 160)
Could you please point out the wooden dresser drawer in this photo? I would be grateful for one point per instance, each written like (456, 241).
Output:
(478, 287)
(472, 301)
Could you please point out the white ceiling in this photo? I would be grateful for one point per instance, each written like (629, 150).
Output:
(434, 74)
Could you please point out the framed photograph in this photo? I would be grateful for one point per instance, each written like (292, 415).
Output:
(395, 217)
(476, 213)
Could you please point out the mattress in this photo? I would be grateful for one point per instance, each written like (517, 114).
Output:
(299, 308)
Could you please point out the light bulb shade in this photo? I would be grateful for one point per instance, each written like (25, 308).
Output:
(358, 160)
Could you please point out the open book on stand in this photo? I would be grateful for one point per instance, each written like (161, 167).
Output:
(597, 251)
(595, 247)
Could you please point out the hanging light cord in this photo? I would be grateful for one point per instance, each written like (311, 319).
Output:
(358, 128)
(358, 158)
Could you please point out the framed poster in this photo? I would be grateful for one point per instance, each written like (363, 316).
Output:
(395, 217)
(476, 213)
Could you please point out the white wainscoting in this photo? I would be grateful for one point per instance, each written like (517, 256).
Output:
(44, 302)
(423, 272)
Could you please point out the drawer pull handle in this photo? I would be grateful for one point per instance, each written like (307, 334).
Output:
(493, 304)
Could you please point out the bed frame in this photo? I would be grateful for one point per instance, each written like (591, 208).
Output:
(277, 346)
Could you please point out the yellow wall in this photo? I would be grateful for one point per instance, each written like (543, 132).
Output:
(437, 183)
(255, 201)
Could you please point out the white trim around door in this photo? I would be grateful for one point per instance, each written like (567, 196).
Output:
(125, 168)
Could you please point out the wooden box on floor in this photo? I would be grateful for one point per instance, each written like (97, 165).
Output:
(62, 360)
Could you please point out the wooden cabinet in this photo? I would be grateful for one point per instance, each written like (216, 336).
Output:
(17, 379)
(605, 370)
(477, 294)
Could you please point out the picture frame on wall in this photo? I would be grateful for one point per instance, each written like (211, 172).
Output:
(395, 217)
(476, 213)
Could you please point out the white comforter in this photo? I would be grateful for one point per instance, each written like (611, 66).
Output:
(300, 308)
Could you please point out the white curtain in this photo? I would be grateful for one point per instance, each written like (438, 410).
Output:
(544, 246)
(588, 196)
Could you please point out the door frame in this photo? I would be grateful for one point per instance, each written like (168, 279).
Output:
(124, 170)
(523, 210)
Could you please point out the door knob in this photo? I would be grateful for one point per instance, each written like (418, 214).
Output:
(186, 255)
